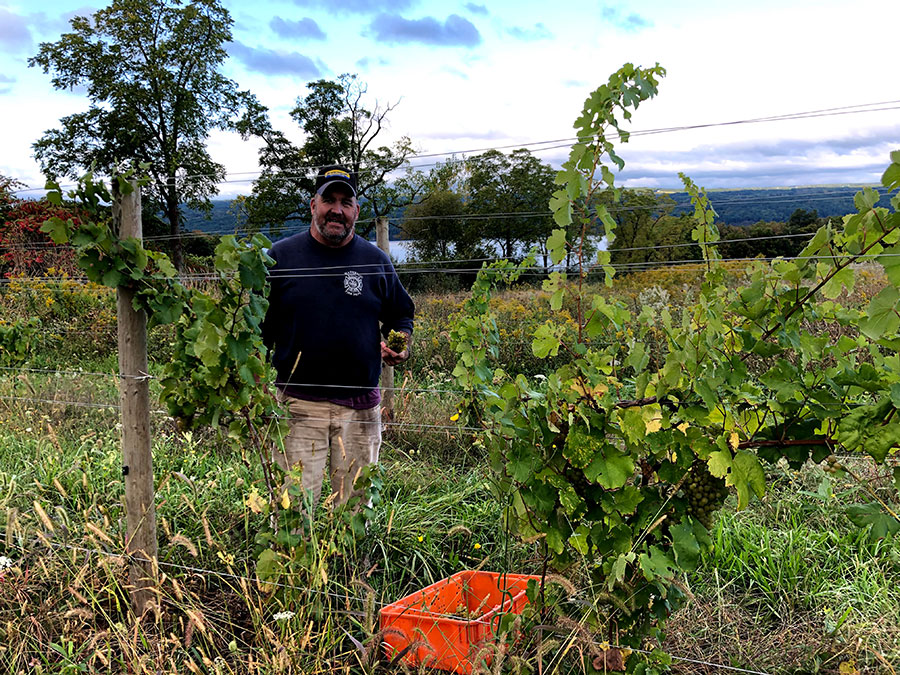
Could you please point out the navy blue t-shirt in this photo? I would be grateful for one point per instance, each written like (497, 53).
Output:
(325, 305)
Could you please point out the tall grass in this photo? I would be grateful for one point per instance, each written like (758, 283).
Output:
(791, 585)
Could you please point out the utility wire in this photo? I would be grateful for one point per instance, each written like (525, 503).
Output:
(799, 199)
(78, 373)
(565, 142)
(111, 407)
(412, 267)
(528, 271)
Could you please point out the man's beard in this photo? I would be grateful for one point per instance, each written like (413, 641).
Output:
(334, 237)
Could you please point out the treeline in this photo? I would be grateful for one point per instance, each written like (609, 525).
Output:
(651, 228)
(734, 207)
(484, 206)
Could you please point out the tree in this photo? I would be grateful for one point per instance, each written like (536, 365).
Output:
(772, 239)
(436, 226)
(151, 71)
(340, 129)
(802, 220)
(512, 193)
(646, 232)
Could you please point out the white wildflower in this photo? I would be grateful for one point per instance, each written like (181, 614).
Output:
(5, 562)
(284, 616)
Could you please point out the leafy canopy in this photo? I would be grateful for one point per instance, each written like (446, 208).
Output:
(340, 127)
(151, 71)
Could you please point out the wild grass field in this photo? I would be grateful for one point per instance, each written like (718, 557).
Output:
(791, 585)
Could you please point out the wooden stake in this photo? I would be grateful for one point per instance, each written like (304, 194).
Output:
(383, 240)
(134, 390)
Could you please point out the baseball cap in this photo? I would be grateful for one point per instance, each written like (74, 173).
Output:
(335, 174)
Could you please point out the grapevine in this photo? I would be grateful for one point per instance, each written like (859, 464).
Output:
(218, 375)
(215, 374)
(618, 461)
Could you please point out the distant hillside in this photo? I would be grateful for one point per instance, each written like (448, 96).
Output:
(223, 221)
(746, 207)
(735, 207)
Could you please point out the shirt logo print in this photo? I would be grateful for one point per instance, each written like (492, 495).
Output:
(353, 283)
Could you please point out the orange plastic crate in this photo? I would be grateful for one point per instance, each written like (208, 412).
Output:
(432, 617)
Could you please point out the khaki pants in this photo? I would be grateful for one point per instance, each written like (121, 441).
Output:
(323, 432)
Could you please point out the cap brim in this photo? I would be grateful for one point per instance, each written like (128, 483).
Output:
(342, 183)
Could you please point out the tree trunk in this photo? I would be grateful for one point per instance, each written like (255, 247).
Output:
(174, 216)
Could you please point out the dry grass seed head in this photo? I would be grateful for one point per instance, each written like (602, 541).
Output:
(459, 529)
(580, 635)
(180, 539)
(561, 581)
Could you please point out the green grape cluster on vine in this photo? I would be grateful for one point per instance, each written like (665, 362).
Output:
(705, 493)
(619, 465)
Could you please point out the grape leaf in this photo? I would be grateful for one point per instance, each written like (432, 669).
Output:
(890, 260)
(873, 514)
(610, 468)
(881, 314)
(656, 565)
(746, 474)
(687, 548)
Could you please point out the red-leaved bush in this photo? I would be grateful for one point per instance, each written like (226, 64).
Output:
(24, 249)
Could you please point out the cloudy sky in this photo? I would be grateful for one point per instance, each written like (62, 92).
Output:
(472, 75)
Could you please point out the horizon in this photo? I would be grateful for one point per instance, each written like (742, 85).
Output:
(735, 111)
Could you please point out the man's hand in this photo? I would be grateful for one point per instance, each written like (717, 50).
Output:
(391, 357)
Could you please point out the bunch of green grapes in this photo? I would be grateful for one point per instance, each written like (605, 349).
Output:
(705, 493)
(396, 341)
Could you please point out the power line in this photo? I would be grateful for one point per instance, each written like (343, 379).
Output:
(799, 199)
(565, 142)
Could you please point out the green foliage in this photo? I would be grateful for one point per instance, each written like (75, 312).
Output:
(706, 234)
(219, 362)
(153, 99)
(294, 547)
(515, 184)
(603, 456)
(435, 226)
(644, 220)
(17, 340)
(340, 129)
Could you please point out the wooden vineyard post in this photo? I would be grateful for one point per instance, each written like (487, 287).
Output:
(134, 394)
(383, 240)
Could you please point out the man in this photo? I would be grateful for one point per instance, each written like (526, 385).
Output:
(329, 291)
